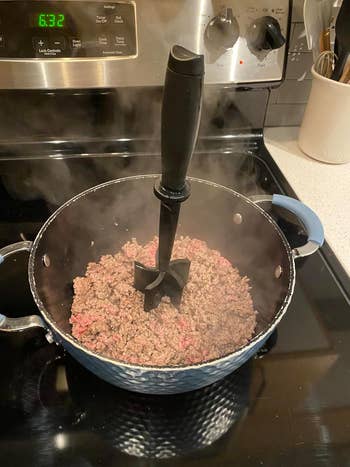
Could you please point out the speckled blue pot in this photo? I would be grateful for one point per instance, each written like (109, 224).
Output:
(103, 218)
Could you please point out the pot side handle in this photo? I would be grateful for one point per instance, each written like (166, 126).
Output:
(307, 217)
(26, 322)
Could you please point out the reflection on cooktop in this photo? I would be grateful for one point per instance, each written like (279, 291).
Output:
(56, 403)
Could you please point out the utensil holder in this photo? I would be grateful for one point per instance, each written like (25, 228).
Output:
(325, 130)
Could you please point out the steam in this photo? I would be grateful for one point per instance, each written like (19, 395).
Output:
(75, 122)
(109, 119)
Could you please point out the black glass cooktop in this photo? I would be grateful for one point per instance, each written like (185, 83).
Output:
(288, 406)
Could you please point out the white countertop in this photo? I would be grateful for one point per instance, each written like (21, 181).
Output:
(323, 187)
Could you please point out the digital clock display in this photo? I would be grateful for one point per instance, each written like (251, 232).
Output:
(47, 20)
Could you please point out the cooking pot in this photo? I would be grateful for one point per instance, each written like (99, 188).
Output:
(100, 220)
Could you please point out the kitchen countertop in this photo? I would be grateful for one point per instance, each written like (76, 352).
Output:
(323, 187)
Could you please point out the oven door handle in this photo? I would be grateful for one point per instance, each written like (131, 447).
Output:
(26, 322)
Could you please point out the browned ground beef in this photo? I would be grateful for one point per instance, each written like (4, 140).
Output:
(216, 314)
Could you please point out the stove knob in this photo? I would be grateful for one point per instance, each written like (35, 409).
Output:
(222, 31)
(265, 34)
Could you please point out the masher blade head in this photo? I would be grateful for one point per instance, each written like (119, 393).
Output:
(143, 276)
(157, 284)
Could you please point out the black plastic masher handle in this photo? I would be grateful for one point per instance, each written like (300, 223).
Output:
(180, 115)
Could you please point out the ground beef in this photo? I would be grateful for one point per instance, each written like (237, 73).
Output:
(216, 315)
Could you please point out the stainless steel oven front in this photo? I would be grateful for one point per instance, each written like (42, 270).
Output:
(67, 44)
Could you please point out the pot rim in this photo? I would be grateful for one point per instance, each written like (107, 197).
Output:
(162, 369)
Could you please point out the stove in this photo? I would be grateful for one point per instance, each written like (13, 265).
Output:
(62, 133)
(287, 406)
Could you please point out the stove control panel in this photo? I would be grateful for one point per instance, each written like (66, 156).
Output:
(67, 29)
(75, 44)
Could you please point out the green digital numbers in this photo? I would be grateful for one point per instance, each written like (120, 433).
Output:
(42, 20)
(60, 20)
(51, 20)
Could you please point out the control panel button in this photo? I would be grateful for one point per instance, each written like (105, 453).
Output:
(117, 19)
(101, 19)
(40, 43)
(102, 40)
(120, 41)
(58, 43)
(2, 40)
(76, 43)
